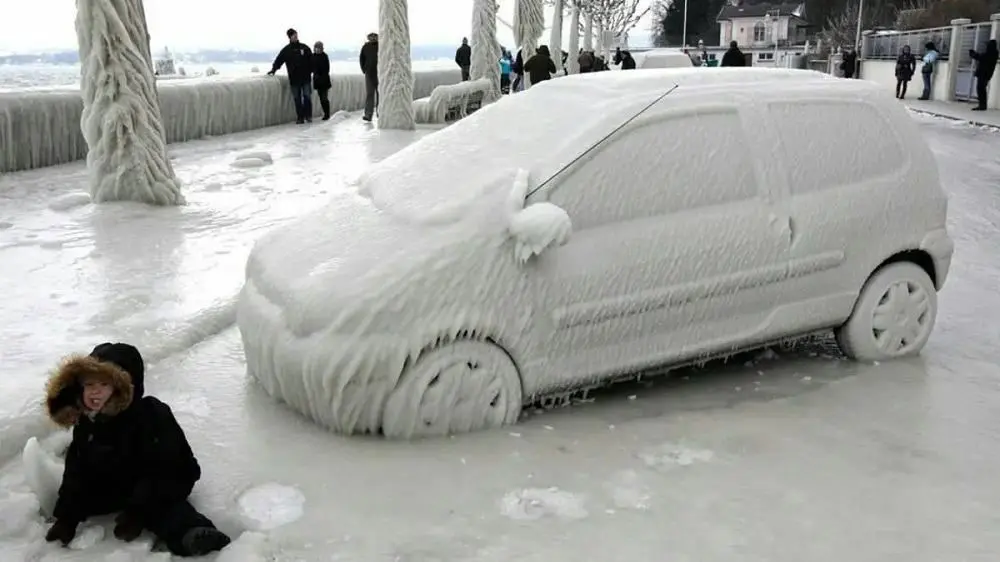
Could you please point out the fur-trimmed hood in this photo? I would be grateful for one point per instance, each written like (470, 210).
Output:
(120, 365)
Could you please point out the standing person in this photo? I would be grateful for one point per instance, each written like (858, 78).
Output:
(586, 60)
(628, 62)
(321, 77)
(518, 69)
(297, 58)
(540, 67)
(505, 73)
(369, 66)
(927, 70)
(986, 64)
(850, 63)
(734, 56)
(463, 58)
(906, 65)
(128, 455)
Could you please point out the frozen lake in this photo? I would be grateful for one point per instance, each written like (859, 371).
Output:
(803, 456)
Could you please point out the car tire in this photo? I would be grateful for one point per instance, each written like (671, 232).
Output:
(894, 315)
(457, 387)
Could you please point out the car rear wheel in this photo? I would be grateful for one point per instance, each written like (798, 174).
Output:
(894, 314)
(461, 386)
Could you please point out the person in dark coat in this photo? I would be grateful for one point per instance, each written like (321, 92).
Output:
(586, 61)
(321, 77)
(518, 70)
(128, 455)
(463, 58)
(297, 58)
(906, 65)
(734, 56)
(850, 63)
(627, 62)
(986, 65)
(369, 67)
(540, 67)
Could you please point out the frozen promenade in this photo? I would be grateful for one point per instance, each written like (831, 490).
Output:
(798, 458)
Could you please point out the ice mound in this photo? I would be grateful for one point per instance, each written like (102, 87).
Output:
(434, 109)
(87, 535)
(271, 505)
(530, 504)
(70, 201)
(18, 515)
(252, 160)
(43, 472)
(4, 225)
(672, 455)
(211, 71)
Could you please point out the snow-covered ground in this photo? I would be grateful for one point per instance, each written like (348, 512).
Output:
(798, 457)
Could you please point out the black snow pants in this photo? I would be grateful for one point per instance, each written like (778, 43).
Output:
(371, 96)
(169, 521)
(324, 101)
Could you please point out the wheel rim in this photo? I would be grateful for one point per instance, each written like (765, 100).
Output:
(902, 318)
(465, 387)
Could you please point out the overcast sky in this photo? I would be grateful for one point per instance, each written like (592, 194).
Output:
(37, 25)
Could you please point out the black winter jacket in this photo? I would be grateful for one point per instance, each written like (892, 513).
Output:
(986, 62)
(321, 71)
(131, 455)
(540, 67)
(369, 59)
(297, 57)
(733, 57)
(463, 56)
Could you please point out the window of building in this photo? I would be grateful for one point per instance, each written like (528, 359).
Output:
(759, 32)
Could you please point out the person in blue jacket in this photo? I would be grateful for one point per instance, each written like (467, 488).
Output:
(505, 65)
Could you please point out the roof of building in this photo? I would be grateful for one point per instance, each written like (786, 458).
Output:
(761, 9)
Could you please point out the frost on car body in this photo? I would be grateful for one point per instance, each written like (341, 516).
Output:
(471, 274)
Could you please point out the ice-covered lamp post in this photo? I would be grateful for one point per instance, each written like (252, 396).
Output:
(395, 72)
(485, 47)
(529, 23)
(127, 150)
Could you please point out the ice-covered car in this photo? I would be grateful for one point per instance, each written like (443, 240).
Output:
(661, 58)
(627, 222)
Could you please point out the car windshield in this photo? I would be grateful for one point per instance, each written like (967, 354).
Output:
(444, 175)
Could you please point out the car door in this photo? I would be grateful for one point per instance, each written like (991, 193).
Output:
(840, 198)
(675, 250)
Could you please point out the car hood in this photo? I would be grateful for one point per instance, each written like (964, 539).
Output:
(344, 265)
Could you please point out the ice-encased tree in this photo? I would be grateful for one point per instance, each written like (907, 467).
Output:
(127, 150)
(485, 47)
(529, 23)
(588, 31)
(555, 37)
(395, 69)
(573, 62)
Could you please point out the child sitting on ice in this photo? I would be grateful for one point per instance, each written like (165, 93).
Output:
(128, 455)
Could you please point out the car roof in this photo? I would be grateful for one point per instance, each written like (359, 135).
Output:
(544, 128)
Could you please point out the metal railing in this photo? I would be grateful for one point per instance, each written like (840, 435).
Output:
(973, 36)
(887, 46)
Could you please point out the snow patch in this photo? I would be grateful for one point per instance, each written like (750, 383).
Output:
(271, 505)
(628, 492)
(530, 504)
(248, 547)
(87, 535)
(18, 515)
(43, 473)
(70, 201)
(671, 455)
(4, 225)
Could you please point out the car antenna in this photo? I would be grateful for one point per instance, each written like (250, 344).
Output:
(606, 137)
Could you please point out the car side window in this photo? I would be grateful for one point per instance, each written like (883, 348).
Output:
(864, 144)
(665, 166)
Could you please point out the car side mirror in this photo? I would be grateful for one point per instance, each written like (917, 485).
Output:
(538, 227)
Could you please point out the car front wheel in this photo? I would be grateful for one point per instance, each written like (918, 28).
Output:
(894, 315)
(460, 386)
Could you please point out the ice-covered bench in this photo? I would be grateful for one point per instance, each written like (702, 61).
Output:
(451, 102)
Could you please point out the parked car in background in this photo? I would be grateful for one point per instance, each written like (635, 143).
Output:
(645, 219)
